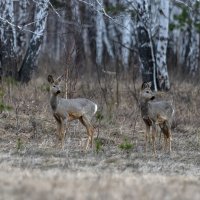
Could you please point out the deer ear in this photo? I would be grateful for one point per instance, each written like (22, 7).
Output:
(149, 84)
(146, 85)
(143, 86)
(50, 79)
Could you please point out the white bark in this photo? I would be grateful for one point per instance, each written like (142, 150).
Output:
(161, 54)
(29, 64)
(126, 40)
(76, 11)
(101, 36)
(40, 18)
(21, 35)
(145, 44)
(7, 23)
(186, 41)
(86, 42)
(7, 39)
(60, 36)
(193, 56)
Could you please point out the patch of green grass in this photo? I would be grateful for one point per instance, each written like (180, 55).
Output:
(126, 145)
(10, 81)
(19, 144)
(98, 145)
(99, 116)
(4, 107)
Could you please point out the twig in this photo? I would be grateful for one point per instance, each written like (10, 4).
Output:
(19, 27)
(54, 9)
(102, 11)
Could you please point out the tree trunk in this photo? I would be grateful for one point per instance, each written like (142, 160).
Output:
(145, 45)
(193, 56)
(30, 61)
(77, 34)
(126, 40)
(21, 20)
(161, 53)
(101, 36)
(7, 40)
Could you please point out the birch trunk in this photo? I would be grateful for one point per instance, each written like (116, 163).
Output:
(7, 39)
(101, 35)
(145, 45)
(193, 56)
(161, 53)
(21, 34)
(126, 40)
(99, 38)
(30, 61)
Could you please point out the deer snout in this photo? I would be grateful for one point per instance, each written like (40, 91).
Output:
(58, 92)
(153, 97)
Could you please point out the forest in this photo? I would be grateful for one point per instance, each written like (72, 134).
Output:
(104, 55)
(151, 38)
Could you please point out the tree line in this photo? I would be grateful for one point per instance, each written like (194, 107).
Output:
(153, 36)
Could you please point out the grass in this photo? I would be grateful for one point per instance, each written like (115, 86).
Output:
(126, 145)
(98, 145)
(42, 159)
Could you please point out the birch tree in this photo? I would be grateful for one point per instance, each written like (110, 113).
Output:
(101, 35)
(7, 39)
(21, 21)
(30, 61)
(186, 23)
(193, 57)
(126, 39)
(161, 51)
(145, 45)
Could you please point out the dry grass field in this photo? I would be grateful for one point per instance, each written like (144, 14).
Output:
(33, 166)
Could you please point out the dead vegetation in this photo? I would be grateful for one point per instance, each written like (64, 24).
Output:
(31, 160)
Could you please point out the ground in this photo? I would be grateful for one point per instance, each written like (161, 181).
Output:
(32, 164)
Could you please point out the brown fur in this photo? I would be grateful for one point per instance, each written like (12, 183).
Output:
(156, 113)
(66, 110)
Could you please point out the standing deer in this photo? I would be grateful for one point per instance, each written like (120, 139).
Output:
(156, 113)
(66, 110)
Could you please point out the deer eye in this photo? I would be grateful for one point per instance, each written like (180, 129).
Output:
(147, 91)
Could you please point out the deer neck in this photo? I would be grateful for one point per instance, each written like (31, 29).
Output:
(54, 102)
(144, 107)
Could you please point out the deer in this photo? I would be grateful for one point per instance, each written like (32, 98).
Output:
(156, 113)
(67, 110)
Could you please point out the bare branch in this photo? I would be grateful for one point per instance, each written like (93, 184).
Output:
(102, 11)
(109, 72)
(21, 28)
(54, 9)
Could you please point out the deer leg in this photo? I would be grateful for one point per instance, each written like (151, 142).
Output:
(165, 142)
(60, 134)
(147, 134)
(59, 127)
(154, 138)
(63, 132)
(90, 141)
(90, 130)
(170, 139)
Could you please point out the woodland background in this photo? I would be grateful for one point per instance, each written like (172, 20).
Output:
(151, 38)
(105, 49)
